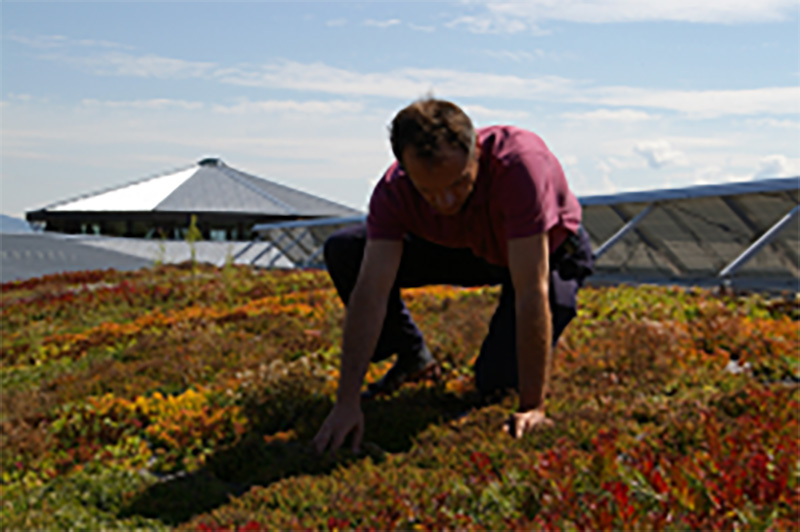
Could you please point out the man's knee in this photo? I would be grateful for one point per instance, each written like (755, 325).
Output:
(496, 368)
(332, 250)
(491, 377)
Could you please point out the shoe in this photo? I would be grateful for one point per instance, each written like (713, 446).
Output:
(405, 369)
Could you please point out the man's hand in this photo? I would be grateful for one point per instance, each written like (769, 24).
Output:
(520, 423)
(366, 311)
(342, 421)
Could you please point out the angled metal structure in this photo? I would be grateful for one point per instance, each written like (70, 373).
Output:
(745, 235)
(300, 242)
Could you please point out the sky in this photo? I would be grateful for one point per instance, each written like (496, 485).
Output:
(629, 94)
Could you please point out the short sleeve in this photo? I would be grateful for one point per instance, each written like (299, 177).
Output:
(527, 194)
(383, 219)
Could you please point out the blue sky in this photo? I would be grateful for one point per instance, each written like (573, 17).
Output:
(630, 94)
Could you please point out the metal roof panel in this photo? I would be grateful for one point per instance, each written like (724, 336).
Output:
(783, 184)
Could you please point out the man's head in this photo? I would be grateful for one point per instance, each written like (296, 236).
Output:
(435, 143)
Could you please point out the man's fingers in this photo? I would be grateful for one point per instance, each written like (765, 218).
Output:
(518, 425)
(510, 427)
(337, 440)
(339, 423)
(321, 440)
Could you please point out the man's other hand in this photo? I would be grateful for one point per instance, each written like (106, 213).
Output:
(342, 420)
(521, 423)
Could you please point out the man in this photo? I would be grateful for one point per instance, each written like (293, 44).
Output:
(462, 207)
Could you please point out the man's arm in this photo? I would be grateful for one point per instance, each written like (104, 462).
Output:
(528, 260)
(366, 311)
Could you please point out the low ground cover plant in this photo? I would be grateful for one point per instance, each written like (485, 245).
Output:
(185, 397)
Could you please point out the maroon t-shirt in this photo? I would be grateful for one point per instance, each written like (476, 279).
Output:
(520, 191)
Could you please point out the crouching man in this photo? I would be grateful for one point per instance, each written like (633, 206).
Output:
(464, 207)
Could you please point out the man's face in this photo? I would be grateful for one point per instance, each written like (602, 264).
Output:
(446, 184)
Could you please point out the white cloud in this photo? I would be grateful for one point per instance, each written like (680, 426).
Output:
(608, 186)
(24, 98)
(400, 83)
(699, 103)
(738, 169)
(403, 83)
(336, 22)
(382, 23)
(622, 162)
(775, 123)
(611, 115)
(569, 160)
(308, 107)
(417, 27)
(324, 78)
(143, 66)
(50, 42)
(711, 142)
(707, 175)
(518, 56)
(506, 55)
(660, 153)
(21, 97)
(515, 17)
(776, 166)
(409, 82)
(154, 104)
(487, 24)
(494, 115)
(612, 11)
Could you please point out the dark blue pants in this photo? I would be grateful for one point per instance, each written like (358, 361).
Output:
(424, 263)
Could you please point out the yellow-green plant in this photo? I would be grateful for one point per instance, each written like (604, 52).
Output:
(193, 234)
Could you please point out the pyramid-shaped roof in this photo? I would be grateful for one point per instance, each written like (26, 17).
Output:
(208, 186)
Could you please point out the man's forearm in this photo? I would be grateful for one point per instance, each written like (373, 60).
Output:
(362, 328)
(534, 336)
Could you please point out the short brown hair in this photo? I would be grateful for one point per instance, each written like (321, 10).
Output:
(427, 125)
